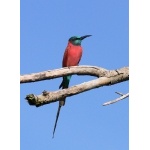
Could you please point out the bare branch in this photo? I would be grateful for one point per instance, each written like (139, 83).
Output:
(123, 96)
(51, 74)
(106, 78)
(119, 93)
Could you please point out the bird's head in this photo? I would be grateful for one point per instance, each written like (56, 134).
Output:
(75, 40)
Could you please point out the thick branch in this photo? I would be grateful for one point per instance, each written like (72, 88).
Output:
(105, 78)
(51, 74)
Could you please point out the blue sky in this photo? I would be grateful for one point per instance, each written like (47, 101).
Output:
(84, 123)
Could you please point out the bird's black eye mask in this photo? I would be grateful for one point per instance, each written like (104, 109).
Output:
(78, 39)
(74, 39)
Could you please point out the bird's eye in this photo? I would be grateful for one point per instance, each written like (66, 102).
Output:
(76, 39)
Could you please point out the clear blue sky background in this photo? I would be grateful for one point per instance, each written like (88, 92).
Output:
(84, 123)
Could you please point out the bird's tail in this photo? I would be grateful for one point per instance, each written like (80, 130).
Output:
(64, 85)
(65, 82)
(57, 116)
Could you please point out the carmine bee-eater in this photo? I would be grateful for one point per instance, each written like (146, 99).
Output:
(72, 56)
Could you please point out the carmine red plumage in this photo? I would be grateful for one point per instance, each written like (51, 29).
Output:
(72, 55)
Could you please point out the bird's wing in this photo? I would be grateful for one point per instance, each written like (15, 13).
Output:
(65, 57)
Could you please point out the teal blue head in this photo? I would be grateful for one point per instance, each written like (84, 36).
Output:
(75, 40)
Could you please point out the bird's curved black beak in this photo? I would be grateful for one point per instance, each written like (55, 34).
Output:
(85, 36)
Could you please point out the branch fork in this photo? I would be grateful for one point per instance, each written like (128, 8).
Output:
(104, 78)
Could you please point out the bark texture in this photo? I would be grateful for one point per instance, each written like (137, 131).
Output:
(104, 78)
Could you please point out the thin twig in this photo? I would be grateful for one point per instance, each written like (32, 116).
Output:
(119, 93)
(118, 99)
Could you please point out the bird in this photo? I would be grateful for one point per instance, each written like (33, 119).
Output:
(72, 57)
